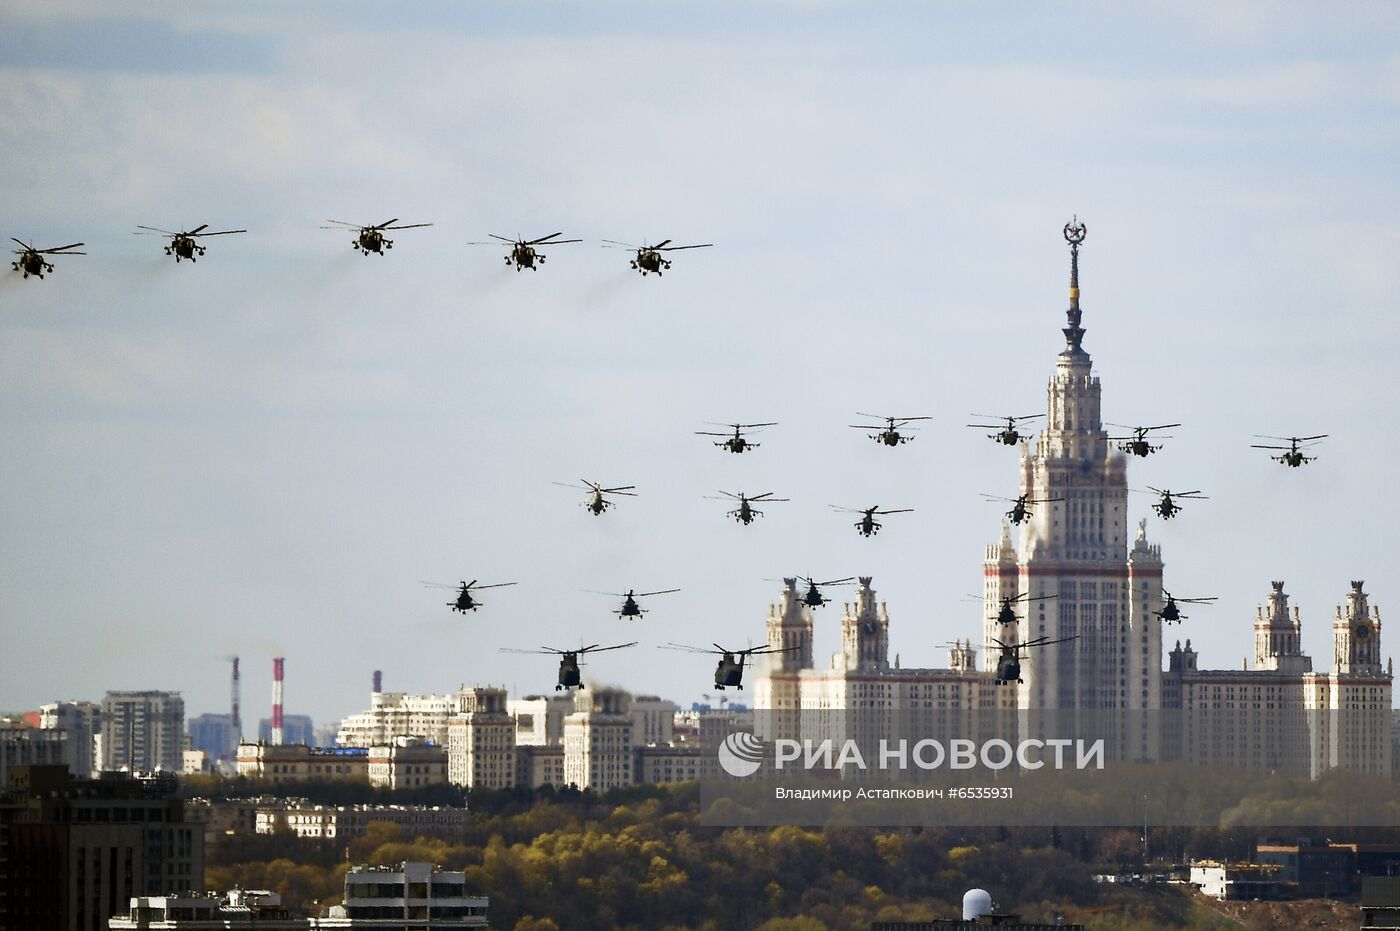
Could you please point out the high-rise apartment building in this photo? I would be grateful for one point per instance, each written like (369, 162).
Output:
(143, 731)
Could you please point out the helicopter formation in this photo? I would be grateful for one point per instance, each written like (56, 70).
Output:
(369, 238)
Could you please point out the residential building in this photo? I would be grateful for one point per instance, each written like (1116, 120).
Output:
(21, 745)
(346, 822)
(481, 740)
(675, 763)
(77, 849)
(537, 766)
(411, 895)
(82, 721)
(296, 729)
(539, 719)
(598, 740)
(143, 731)
(407, 764)
(300, 763)
(653, 720)
(239, 908)
(216, 735)
(398, 714)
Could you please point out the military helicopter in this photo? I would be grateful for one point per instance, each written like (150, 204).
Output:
(1009, 662)
(371, 238)
(1137, 444)
(813, 598)
(1020, 511)
(569, 677)
(596, 502)
(1008, 435)
(889, 434)
(745, 513)
(1169, 610)
(182, 244)
(1292, 455)
(1167, 506)
(1007, 615)
(31, 260)
(523, 252)
(649, 259)
(729, 671)
(630, 608)
(465, 602)
(735, 443)
(868, 526)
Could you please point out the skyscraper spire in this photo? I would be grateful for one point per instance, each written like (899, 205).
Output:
(1074, 333)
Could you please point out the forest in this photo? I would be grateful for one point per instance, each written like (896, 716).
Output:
(641, 859)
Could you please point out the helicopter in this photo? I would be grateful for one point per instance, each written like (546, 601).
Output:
(868, 526)
(735, 443)
(649, 258)
(569, 677)
(889, 434)
(1007, 435)
(630, 608)
(31, 260)
(1009, 662)
(1169, 612)
(371, 238)
(1292, 455)
(745, 513)
(1020, 511)
(1137, 444)
(813, 598)
(182, 244)
(1007, 615)
(596, 502)
(523, 252)
(465, 602)
(1167, 507)
(729, 671)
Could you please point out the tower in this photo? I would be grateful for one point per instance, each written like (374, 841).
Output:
(1074, 547)
(779, 690)
(277, 668)
(1356, 635)
(1278, 636)
(865, 632)
(1000, 581)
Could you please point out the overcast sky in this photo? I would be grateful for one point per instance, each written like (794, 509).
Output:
(264, 453)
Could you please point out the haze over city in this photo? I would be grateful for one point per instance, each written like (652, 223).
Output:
(263, 454)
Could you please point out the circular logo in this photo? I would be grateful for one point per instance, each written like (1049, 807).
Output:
(741, 754)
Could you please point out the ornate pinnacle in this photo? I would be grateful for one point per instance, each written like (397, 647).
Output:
(1075, 232)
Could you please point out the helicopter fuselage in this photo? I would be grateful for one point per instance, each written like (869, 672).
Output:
(32, 263)
(744, 514)
(569, 676)
(1008, 668)
(1007, 437)
(630, 608)
(729, 672)
(1006, 615)
(523, 256)
(1138, 448)
(184, 247)
(371, 241)
(649, 261)
(464, 603)
(1167, 507)
(736, 444)
(1019, 513)
(1169, 611)
(868, 525)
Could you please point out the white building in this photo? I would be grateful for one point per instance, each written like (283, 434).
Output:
(398, 714)
(1099, 592)
(539, 719)
(416, 895)
(345, 822)
(598, 740)
(82, 720)
(143, 731)
(481, 741)
(407, 763)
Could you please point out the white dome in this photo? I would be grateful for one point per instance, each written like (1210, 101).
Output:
(976, 903)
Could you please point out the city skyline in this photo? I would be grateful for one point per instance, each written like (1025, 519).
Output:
(262, 454)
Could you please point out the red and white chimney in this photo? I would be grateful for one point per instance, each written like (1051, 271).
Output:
(277, 701)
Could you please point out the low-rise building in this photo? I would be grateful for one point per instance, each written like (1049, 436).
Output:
(1237, 881)
(279, 763)
(675, 763)
(407, 764)
(236, 909)
(538, 766)
(416, 895)
(224, 818)
(345, 822)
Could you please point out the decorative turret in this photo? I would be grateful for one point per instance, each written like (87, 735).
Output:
(1278, 636)
(1074, 333)
(1183, 660)
(1356, 635)
(1000, 579)
(790, 625)
(865, 631)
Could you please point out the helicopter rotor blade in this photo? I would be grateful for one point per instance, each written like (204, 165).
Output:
(475, 587)
(683, 647)
(593, 591)
(513, 242)
(438, 584)
(597, 649)
(542, 239)
(353, 226)
(383, 225)
(154, 229)
(661, 245)
(218, 233)
(196, 230)
(405, 226)
(71, 245)
(666, 591)
(896, 511)
(703, 245)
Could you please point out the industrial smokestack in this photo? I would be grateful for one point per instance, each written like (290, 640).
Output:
(237, 717)
(378, 681)
(277, 701)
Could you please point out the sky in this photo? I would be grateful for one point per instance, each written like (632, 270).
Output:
(265, 453)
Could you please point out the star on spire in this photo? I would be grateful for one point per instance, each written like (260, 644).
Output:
(1075, 232)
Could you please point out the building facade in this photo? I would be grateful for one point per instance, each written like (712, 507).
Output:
(300, 763)
(82, 721)
(481, 741)
(407, 764)
(143, 731)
